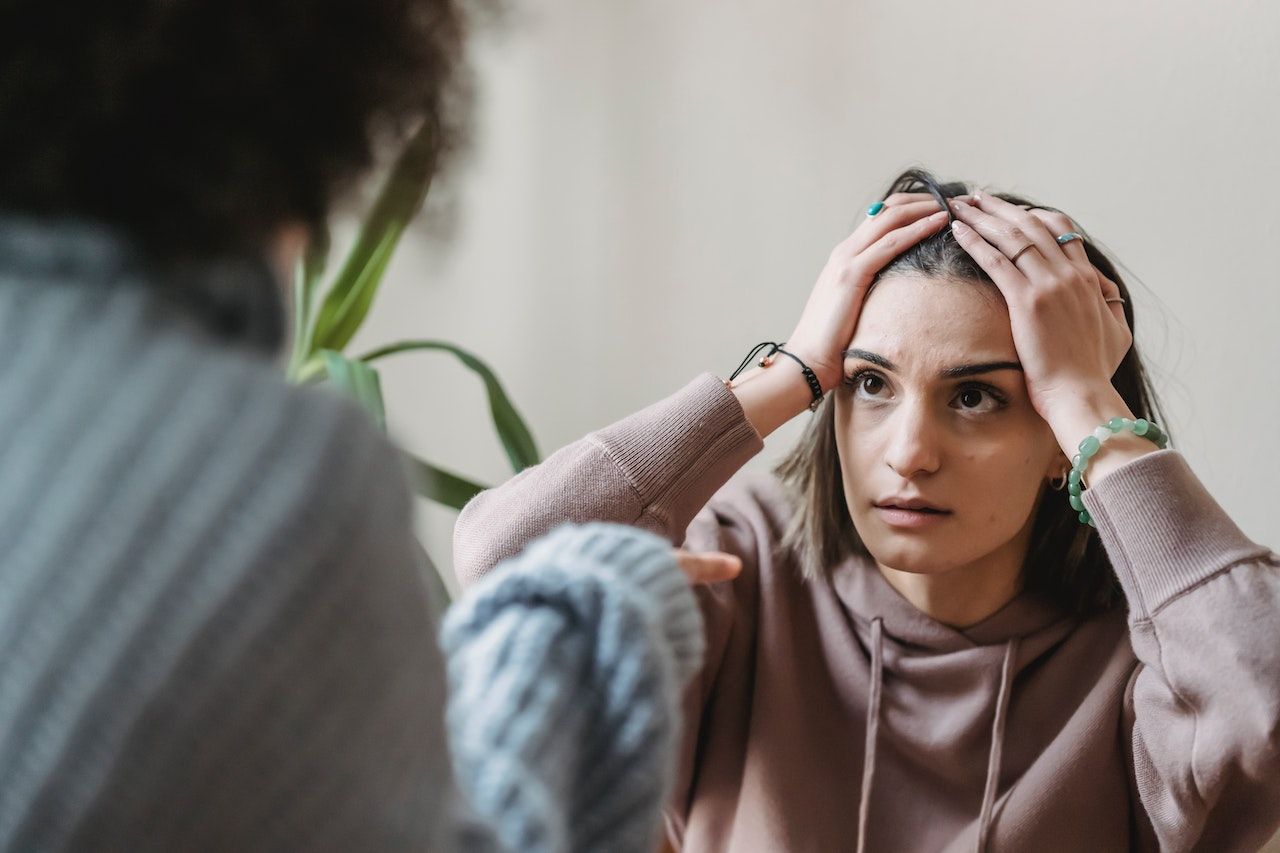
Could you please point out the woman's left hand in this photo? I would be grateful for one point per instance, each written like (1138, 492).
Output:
(1069, 339)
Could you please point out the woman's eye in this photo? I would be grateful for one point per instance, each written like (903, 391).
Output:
(865, 383)
(978, 399)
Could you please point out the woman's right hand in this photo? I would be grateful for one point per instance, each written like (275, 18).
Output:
(830, 315)
(770, 398)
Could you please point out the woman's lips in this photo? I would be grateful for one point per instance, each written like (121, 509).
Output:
(911, 519)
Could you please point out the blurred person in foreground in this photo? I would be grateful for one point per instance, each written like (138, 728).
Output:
(214, 634)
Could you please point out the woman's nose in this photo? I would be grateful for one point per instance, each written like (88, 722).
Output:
(913, 447)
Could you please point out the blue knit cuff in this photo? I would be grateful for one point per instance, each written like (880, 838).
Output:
(638, 566)
(643, 566)
(565, 668)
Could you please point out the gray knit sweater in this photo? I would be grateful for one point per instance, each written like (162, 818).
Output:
(214, 633)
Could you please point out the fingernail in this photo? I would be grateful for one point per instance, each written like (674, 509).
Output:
(977, 195)
(959, 227)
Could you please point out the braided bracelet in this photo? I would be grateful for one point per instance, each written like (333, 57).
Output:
(1093, 443)
(815, 387)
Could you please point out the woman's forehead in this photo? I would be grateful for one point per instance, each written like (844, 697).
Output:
(913, 319)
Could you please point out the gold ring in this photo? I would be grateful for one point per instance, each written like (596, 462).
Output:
(1119, 299)
(1018, 253)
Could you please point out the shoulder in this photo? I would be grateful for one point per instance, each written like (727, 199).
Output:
(222, 446)
(754, 499)
(312, 438)
(336, 466)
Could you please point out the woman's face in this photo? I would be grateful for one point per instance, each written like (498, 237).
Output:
(934, 408)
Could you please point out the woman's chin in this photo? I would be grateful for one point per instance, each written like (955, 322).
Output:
(914, 557)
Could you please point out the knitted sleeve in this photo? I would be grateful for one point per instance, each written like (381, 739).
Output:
(565, 669)
(1204, 620)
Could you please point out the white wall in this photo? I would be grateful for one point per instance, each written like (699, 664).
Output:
(655, 185)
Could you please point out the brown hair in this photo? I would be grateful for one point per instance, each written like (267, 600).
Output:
(1065, 562)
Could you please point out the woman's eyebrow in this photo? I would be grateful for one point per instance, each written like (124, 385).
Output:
(948, 373)
(985, 367)
(878, 360)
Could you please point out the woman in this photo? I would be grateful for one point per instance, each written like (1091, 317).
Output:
(926, 648)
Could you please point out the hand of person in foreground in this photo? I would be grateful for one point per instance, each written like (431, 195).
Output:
(708, 567)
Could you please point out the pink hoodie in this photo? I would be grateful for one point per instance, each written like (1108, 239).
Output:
(833, 715)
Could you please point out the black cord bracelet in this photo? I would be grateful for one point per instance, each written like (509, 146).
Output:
(815, 387)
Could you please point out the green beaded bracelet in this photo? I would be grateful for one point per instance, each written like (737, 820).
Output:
(1093, 443)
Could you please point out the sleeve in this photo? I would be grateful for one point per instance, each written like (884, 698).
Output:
(565, 670)
(653, 470)
(657, 470)
(1204, 620)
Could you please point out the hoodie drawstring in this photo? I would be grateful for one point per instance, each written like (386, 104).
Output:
(997, 745)
(873, 729)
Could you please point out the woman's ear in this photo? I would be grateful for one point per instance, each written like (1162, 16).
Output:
(1058, 467)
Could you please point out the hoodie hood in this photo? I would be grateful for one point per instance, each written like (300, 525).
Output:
(1010, 638)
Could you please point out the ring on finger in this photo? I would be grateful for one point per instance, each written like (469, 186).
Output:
(1064, 239)
(1119, 299)
(1014, 258)
(875, 208)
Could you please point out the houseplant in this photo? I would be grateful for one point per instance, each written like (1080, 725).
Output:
(328, 313)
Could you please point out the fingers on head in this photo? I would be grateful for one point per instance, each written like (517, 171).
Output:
(990, 258)
(897, 240)
(897, 215)
(1033, 228)
(890, 221)
(1055, 220)
(1008, 236)
(1059, 223)
(897, 199)
(1110, 290)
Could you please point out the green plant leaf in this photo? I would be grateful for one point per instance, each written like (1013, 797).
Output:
(306, 282)
(512, 430)
(352, 292)
(441, 486)
(359, 380)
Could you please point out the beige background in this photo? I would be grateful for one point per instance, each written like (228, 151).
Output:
(655, 185)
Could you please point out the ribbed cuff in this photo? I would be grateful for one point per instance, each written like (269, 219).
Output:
(1162, 530)
(636, 565)
(645, 565)
(699, 433)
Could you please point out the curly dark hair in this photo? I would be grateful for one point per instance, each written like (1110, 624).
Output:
(200, 127)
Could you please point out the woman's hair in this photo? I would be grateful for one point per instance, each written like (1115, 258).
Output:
(1066, 562)
(199, 127)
